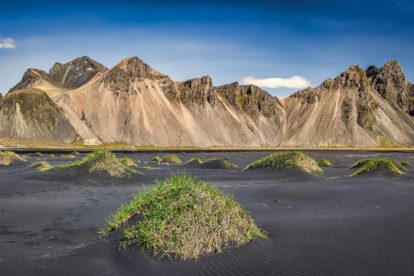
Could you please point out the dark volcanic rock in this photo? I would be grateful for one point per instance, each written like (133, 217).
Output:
(308, 95)
(250, 99)
(70, 75)
(197, 91)
(74, 74)
(390, 83)
(30, 77)
(129, 70)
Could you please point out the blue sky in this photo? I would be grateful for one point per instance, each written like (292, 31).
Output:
(228, 40)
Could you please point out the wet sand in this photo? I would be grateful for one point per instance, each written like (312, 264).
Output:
(326, 225)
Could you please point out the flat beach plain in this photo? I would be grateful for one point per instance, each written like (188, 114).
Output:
(330, 224)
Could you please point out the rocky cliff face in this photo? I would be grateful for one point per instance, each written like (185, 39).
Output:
(390, 83)
(30, 114)
(133, 103)
(349, 110)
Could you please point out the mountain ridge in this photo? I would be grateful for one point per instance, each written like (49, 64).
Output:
(135, 104)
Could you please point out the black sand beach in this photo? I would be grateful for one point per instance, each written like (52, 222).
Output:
(331, 224)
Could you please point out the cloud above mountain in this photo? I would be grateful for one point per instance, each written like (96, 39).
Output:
(295, 82)
(7, 43)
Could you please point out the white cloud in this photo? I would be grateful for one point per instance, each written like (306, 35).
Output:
(296, 82)
(7, 43)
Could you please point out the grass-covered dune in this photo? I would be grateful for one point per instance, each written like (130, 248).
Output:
(183, 217)
(216, 163)
(8, 157)
(379, 164)
(287, 161)
(324, 163)
(100, 162)
(169, 158)
(41, 166)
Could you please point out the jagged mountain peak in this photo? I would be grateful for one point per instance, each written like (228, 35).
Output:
(29, 78)
(135, 67)
(393, 70)
(75, 73)
(353, 77)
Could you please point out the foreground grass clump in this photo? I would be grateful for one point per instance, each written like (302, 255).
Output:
(170, 158)
(183, 217)
(101, 161)
(325, 163)
(375, 164)
(287, 160)
(41, 166)
(9, 157)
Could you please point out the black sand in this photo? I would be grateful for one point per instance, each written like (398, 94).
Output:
(325, 225)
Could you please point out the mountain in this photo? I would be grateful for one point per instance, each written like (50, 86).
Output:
(132, 103)
(70, 75)
(350, 110)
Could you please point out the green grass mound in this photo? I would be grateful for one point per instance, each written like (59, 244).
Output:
(377, 164)
(170, 158)
(325, 163)
(8, 157)
(183, 217)
(287, 161)
(38, 154)
(101, 162)
(41, 166)
(194, 161)
(217, 163)
(405, 164)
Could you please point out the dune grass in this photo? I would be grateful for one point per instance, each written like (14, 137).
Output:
(101, 161)
(324, 163)
(405, 164)
(41, 166)
(287, 161)
(8, 157)
(194, 161)
(220, 163)
(169, 158)
(375, 164)
(183, 217)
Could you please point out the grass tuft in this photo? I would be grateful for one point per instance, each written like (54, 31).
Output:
(325, 163)
(217, 163)
(169, 158)
(101, 161)
(41, 166)
(194, 161)
(374, 164)
(405, 164)
(287, 160)
(8, 157)
(183, 217)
